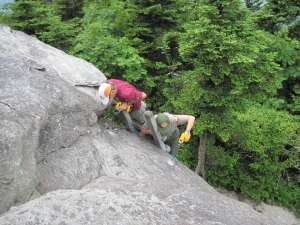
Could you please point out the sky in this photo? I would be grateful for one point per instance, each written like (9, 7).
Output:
(5, 1)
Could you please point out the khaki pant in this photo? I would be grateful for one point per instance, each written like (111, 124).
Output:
(172, 141)
(138, 115)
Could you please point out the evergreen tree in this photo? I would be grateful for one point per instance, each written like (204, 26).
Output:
(68, 9)
(254, 5)
(154, 32)
(278, 13)
(281, 18)
(233, 67)
(27, 16)
(288, 57)
(104, 43)
(41, 21)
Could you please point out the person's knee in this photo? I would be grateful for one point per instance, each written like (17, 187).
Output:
(137, 115)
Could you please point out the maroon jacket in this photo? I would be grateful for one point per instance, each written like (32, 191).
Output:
(127, 93)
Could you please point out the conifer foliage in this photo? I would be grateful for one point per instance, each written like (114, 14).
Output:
(233, 67)
(254, 5)
(282, 18)
(41, 21)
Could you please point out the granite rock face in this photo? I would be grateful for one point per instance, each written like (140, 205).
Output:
(61, 162)
(47, 105)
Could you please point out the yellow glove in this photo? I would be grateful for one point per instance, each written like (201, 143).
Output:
(183, 138)
(119, 104)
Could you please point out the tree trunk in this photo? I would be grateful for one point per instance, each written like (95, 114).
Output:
(201, 157)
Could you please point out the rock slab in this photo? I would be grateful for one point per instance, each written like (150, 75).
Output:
(61, 162)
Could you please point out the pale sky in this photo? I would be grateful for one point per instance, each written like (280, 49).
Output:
(5, 1)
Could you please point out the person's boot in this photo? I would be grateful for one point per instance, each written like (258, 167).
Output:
(174, 158)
